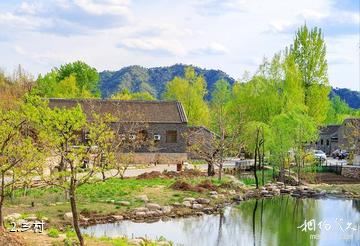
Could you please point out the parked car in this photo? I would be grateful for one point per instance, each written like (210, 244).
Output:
(340, 154)
(319, 154)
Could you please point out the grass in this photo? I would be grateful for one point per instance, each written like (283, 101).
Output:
(101, 198)
(53, 232)
(251, 179)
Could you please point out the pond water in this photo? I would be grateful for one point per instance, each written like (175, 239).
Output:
(271, 221)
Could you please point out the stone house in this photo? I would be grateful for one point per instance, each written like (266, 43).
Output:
(162, 123)
(345, 136)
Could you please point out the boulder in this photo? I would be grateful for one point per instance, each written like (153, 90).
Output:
(152, 213)
(238, 198)
(124, 203)
(176, 204)
(68, 216)
(212, 193)
(189, 199)
(187, 204)
(197, 206)
(13, 216)
(203, 200)
(118, 217)
(214, 196)
(166, 209)
(153, 206)
(140, 214)
(141, 209)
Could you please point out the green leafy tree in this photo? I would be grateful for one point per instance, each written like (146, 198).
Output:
(125, 94)
(21, 150)
(72, 80)
(309, 52)
(190, 91)
(87, 78)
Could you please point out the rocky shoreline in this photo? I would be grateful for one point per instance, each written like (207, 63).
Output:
(190, 206)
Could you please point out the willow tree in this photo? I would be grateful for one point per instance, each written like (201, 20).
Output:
(190, 91)
(309, 51)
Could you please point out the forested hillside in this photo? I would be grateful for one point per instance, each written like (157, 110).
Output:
(352, 98)
(153, 80)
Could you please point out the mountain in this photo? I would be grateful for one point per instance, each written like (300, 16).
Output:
(153, 80)
(352, 98)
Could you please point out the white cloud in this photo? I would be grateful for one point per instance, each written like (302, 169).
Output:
(231, 35)
(113, 7)
(211, 49)
(153, 46)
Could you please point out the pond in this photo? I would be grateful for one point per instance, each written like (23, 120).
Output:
(280, 220)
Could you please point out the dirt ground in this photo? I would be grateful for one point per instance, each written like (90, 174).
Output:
(332, 178)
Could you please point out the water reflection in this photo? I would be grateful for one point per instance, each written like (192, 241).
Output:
(272, 221)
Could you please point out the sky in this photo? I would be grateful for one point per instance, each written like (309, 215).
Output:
(231, 35)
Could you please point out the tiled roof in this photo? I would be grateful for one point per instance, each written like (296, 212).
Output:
(128, 111)
(329, 130)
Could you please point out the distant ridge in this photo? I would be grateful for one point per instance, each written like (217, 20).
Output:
(137, 78)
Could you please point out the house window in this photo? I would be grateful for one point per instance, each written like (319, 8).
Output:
(327, 142)
(171, 136)
(322, 142)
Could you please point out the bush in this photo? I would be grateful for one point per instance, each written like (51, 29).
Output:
(53, 232)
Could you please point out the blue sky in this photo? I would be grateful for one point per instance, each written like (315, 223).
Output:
(231, 35)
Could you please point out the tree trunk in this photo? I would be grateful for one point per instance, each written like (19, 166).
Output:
(255, 168)
(103, 175)
(211, 169)
(75, 213)
(2, 195)
(220, 171)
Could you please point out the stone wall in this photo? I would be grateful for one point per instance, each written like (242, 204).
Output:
(351, 171)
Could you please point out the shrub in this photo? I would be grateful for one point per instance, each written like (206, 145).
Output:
(53, 232)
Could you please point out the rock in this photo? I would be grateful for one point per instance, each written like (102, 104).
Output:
(13, 216)
(166, 209)
(143, 198)
(187, 204)
(203, 200)
(124, 203)
(153, 206)
(118, 217)
(238, 198)
(141, 209)
(295, 195)
(207, 210)
(68, 216)
(280, 183)
(197, 206)
(285, 191)
(214, 196)
(135, 241)
(264, 192)
(152, 213)
(140, 214)
(211, 193)
(199, 213)
(176, 204)
(189, 199)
